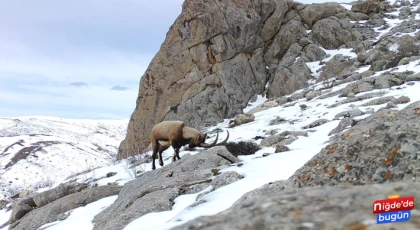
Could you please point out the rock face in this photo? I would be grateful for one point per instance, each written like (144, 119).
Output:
(350, 207)
(218, 55)
(154, 191)
(211, 54)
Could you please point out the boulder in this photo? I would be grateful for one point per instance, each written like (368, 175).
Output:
(288, 80)
(242, 119)
(313, 53)
(58, 192)
(344, 123)
(315, 123)
(311, 95)
(315, 12)
(349, 114)
(332, 33)
(379, 101)
(369, 6)
(290, 32)
(337, 67)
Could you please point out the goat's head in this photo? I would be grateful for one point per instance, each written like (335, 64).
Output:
(199, 141)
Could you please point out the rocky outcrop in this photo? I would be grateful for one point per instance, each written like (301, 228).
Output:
(369, 6)
(218, 55)
(315, 12)
(212, 52)
(154, 191)
(350, 207)
(50, 212)
(381, 148)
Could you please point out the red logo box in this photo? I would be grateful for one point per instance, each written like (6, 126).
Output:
(393, 205)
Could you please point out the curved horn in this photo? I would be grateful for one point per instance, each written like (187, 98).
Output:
(204, 145)
(225, 141)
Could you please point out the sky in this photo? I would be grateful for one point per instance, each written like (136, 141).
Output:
(79, 58)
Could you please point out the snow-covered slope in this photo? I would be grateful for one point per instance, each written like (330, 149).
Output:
(257, 170)
(38, 151)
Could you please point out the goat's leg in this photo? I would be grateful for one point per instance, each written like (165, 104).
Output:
(162, 148)
(177, 154)
(155, 147)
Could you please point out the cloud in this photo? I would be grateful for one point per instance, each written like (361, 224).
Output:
(100, 44)
(78, 84)
(119, 88)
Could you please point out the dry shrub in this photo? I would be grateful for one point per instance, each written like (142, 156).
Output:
(242, 148)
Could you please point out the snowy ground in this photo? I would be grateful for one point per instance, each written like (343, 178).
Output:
(257, 170)
(33, 147)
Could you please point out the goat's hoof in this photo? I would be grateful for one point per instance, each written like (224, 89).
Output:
(161, 163)
(153, 167)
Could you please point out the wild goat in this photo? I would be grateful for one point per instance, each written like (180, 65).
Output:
(177, 134)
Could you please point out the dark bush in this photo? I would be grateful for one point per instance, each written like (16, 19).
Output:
(242, 148)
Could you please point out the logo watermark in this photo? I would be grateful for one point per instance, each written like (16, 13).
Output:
(393, 209)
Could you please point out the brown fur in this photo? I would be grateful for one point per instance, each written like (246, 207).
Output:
(176, 134)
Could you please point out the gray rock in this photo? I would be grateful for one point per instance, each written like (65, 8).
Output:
(381, 148)
(281, 148)
(225, 178)
(401, 100)
(344, 123)
(287, 140)
(332, 33)
(54, 210)
(154, 191)
(379, 65)
(337, 67)
(315, 123)
(292, 53)
(277, 120)
(295, 209)
(358, 98)
(282, 100)
(379, 101)
(314, 53)
(369, 6)
(271, 140)
(413, 77)
(277, 138)
(315, 12)
(58, 192)
(368, 84)
(242, 119)
(297, 96)
(288, 80)
(222, 152)
(311, 95)
(290, 32)
(404, 61)
(266, 190)
(21, 207)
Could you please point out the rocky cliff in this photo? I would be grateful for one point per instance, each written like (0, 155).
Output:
(348, 137)
(219, 54)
